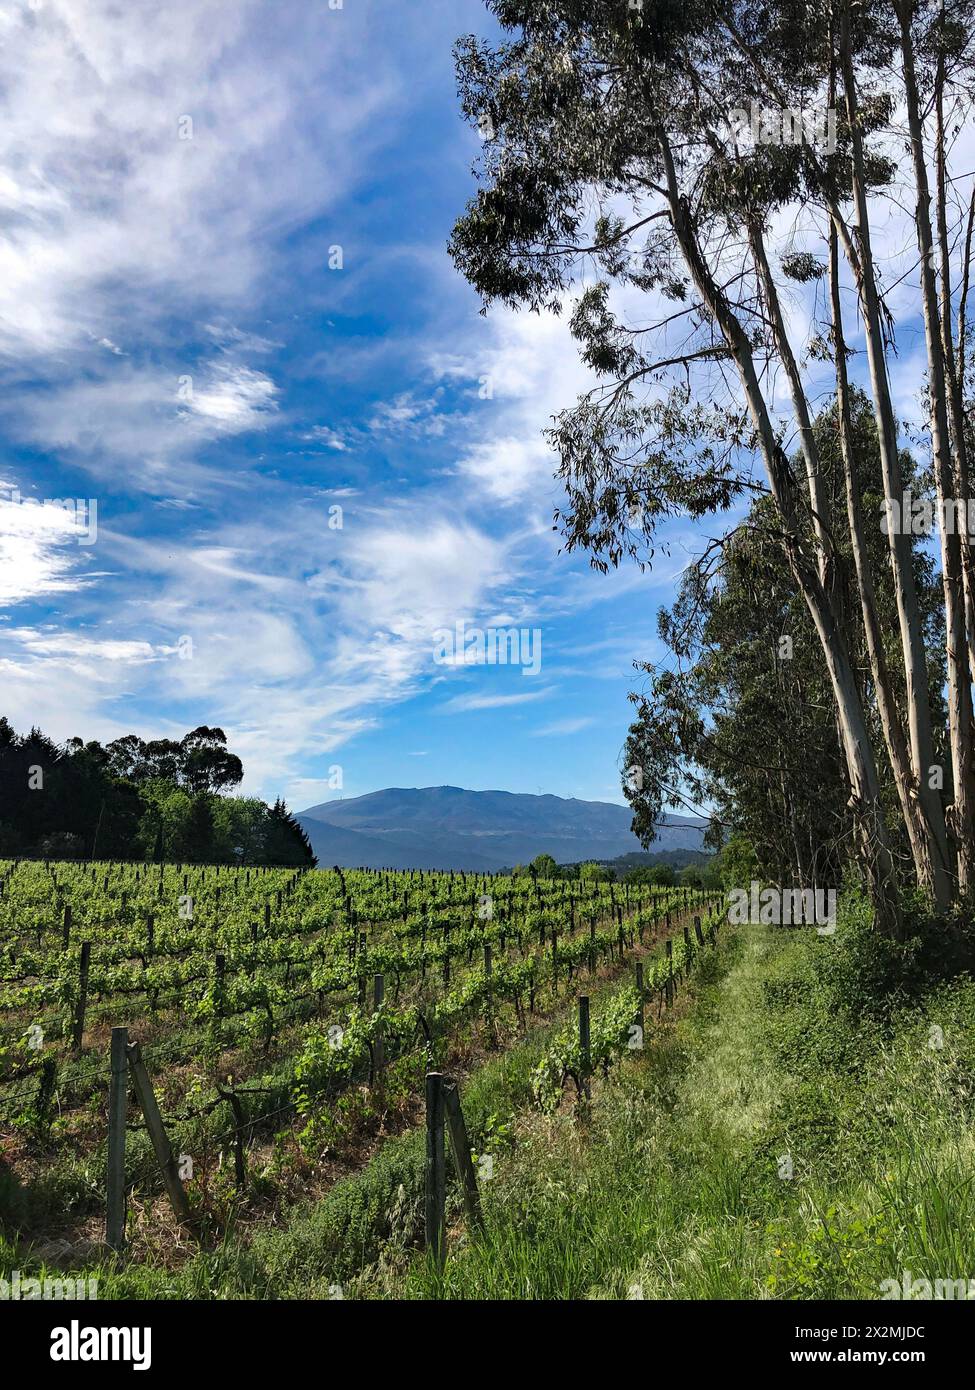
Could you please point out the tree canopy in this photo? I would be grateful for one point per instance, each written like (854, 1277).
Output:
(163, 799)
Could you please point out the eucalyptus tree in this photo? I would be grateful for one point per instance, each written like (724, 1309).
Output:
(616, 173)
(902, 75)
(738, 715)
(935, 45)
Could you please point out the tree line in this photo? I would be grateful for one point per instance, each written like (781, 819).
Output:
(165, 800)
(617, 181)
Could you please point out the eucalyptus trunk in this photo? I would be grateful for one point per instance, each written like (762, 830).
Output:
(865, 797)
(909, 618)
(962, 813)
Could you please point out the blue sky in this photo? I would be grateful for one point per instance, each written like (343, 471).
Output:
(176, 346)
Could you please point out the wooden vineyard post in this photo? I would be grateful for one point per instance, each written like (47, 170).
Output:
(157, 1132)
(378, 995)
(584, 1044)
(461, 1150)
(436, 1178)
(66, 926)
(698, 932)
(240, 1166)
(669, 986)
(639, 991)
(118, 1087)
(79, 1015)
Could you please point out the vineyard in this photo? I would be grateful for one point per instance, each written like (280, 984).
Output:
(283, 1023)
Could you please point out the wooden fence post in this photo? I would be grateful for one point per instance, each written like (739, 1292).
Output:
(584, 1044)
(697, 931)
(379, 1045)
(118, 1087)
(639, 990)
(669, 986)
(240, 1166)
(79, 1016)
(461, 1150)
(157, 1132)
(436, 1191)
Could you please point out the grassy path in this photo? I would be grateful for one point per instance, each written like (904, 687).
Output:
(765, 1146)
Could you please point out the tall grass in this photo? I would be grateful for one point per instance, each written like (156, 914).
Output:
(777, 1145)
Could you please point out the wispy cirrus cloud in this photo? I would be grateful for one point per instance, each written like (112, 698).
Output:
(491, 699)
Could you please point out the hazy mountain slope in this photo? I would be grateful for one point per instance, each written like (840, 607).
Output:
(451, 828)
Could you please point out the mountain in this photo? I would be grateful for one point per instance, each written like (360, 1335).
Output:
(450, 828)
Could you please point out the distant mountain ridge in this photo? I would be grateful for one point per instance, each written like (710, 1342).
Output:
(452, 828)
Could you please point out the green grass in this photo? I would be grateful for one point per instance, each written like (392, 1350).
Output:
(678, 1185)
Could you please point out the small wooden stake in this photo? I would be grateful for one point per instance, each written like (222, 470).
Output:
(79, 1016)
(461, 1150)
(378, 994)
(240, 1167)
(436, 1186)
(115, 1215)
(157, 1133)
(584, 1044)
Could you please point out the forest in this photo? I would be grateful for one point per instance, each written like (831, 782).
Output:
(161, 800)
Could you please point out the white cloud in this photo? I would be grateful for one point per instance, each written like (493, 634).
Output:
(148, 421)
(50, 642)
(234, 399)
(563, 727)
(104, 199)
(531, 369)
(39, 552)
(461, 704)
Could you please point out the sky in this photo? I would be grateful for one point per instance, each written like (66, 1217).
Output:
(231, 333)
(230, 329)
